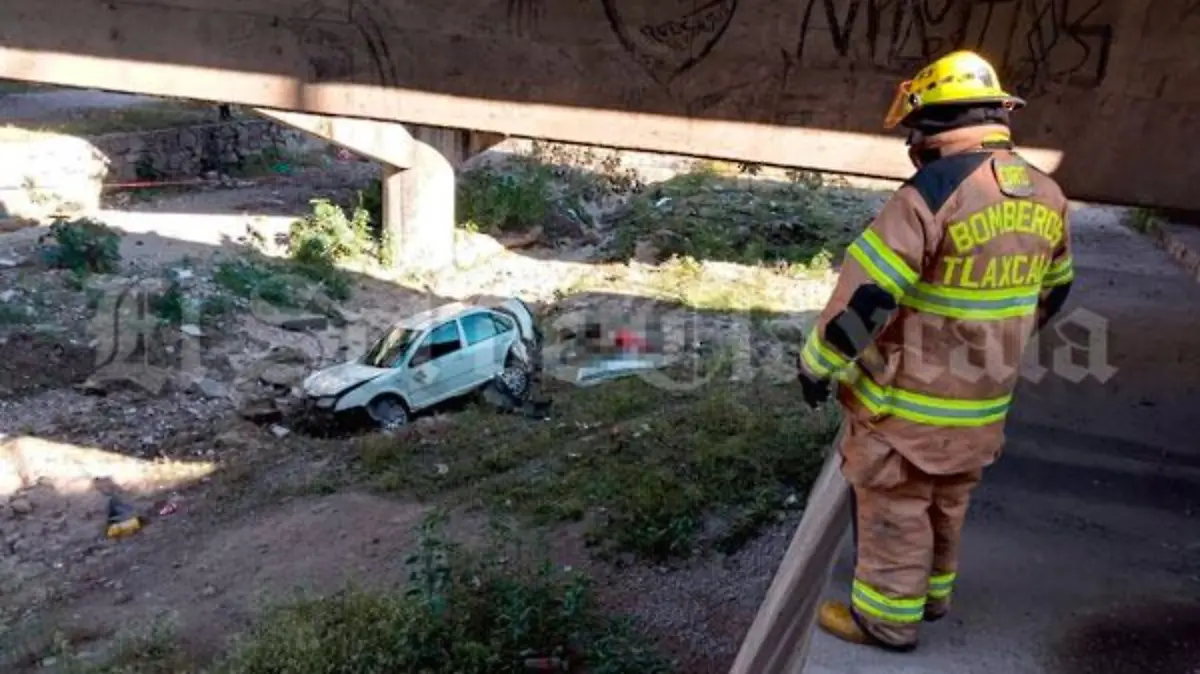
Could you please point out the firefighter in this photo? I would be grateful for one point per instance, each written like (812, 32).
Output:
(922, 337)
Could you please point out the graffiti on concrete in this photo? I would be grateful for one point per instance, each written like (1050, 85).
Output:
(1037, 44)
(674, 37)
(369, 18)
(523, 16)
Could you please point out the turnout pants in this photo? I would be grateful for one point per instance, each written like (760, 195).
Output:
(907, 526)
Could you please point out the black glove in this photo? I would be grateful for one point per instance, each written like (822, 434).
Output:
(816, 391)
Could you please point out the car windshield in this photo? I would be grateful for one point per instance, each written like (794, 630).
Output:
(389, 347)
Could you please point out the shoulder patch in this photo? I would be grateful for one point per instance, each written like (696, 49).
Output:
(936, 181)
(1012, 175)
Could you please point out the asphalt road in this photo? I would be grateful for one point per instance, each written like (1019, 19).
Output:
(1081, 553)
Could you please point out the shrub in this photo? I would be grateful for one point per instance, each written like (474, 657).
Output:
(461, 614)
(84, 245)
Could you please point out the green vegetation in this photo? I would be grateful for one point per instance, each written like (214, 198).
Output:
(281, 283)
(171, 306)
(708, 215)
(84, 246)
(1144, 220)
(325, 238)
(498, 611)
(516, 198)
(653, 473)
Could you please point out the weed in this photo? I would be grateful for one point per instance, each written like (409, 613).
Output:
(517, 197)
(82, 246)
(326, 237)
(708, 215)
(653, 473)
(216, 306)
(149, 650)
(1143, 220)
(461, 613)
(287, 284)
(256, 279)
(171, 306)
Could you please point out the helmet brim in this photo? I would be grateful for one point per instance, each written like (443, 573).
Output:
(1008, 101)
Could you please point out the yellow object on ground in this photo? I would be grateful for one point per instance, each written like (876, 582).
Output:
(126, 528)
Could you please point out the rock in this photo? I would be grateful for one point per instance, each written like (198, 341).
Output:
(645, 252)
(279, 431)
(126, 376)
(261, 411)
(191, 330)
(8, 225)
(522, 239)
(286, 354)
(20, 505)
(304, 322)
(209, 591)
(9, 295)
(123, 598)
(789, 329)
(210, 388)
(282, 375)
(11, 261)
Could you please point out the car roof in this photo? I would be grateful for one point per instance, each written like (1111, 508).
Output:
(429, 317)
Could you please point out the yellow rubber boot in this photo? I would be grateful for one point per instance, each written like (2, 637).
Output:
(838, 619)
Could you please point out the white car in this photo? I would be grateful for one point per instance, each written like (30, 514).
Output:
(429, 358)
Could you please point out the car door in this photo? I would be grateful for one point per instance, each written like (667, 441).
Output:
(436, 366)
(484, 351)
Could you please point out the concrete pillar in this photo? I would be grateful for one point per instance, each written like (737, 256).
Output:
(418, 210)
(418, 178)
(419, 201)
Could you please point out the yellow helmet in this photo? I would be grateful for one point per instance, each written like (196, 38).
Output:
(956, 78)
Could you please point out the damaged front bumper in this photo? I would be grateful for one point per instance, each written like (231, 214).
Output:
(320, 407)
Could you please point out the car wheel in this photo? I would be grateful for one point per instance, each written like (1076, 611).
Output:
(388, 412)
(516, 376)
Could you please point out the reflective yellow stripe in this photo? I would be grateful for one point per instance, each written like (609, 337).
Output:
(1059, 273)
(820, 359)
(882, 264)
(975, 305)
(941, 585)
(924, 409)
(873, 603)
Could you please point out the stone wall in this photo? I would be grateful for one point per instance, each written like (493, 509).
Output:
(191, 151)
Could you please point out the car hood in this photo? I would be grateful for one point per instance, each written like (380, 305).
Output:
(334, 380)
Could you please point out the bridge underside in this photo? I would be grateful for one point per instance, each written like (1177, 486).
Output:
(1112, 85)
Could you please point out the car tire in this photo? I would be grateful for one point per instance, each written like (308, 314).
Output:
(517, 376)
(388, 412)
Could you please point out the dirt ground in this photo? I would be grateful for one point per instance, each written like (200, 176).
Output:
(249, 519)
(243, 513)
